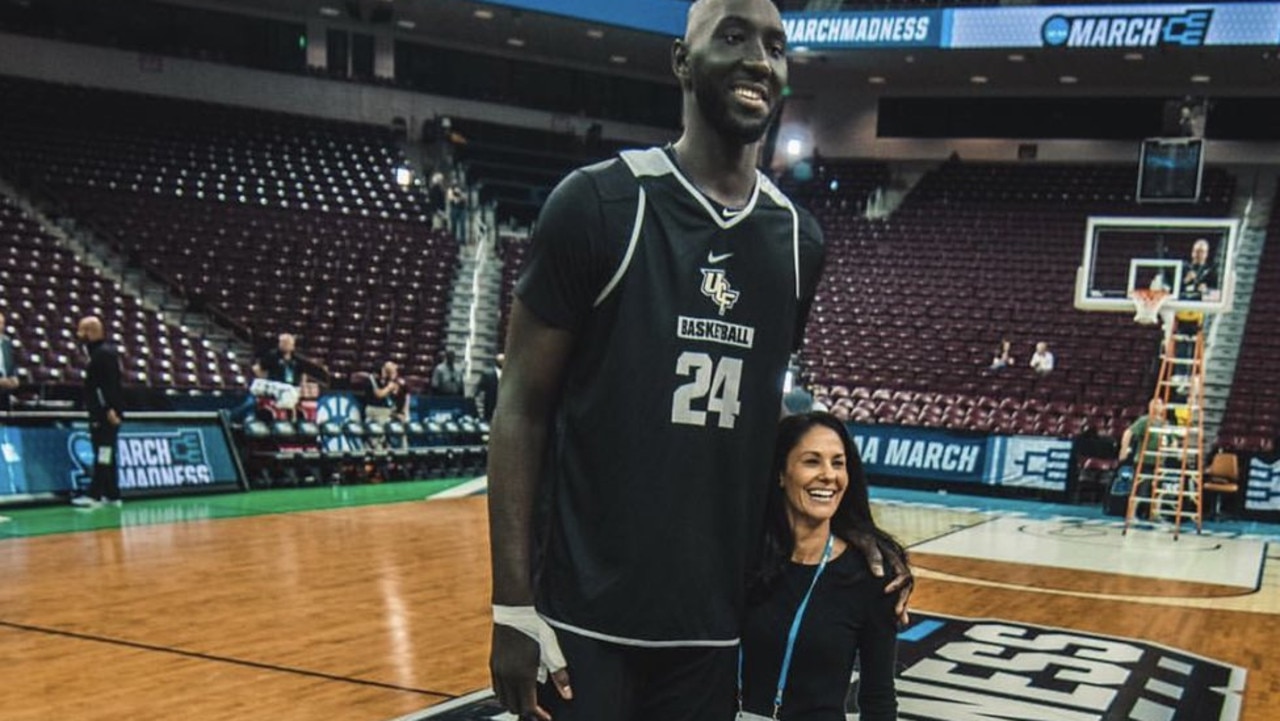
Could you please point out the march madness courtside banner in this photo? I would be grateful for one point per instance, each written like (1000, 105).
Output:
(42, 455)
(963, 457)
(960, 669)
(1262, 492)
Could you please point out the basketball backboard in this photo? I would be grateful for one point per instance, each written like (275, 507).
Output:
(1193, 258)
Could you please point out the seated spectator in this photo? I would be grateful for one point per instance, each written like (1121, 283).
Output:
(1003, 357)
(386, 399)
(280, 374)
(1042, 359)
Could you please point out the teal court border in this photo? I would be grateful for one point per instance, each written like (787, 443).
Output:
(48, 520)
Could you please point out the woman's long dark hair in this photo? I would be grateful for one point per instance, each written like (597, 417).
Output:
(852, 517)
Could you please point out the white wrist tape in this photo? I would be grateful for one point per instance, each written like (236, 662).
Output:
(526, 620)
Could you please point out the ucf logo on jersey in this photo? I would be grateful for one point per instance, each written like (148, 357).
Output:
(715, 285)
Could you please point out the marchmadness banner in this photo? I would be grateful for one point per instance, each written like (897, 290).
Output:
(968, 458)
(155, 456)
(1263, 490)
(959, 669)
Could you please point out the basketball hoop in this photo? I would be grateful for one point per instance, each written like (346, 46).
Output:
(1147, 303)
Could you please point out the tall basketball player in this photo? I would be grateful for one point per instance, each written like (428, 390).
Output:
(645, 359)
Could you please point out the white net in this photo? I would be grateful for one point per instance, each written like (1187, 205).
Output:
(1147, 304)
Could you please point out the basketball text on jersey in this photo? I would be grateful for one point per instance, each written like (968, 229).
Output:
(982, 670)
(715, 285)
(715, 331)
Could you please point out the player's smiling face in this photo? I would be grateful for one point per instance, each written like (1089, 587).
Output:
(816, 476)
(736, 66)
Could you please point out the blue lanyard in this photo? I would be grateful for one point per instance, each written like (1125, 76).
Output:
(792, 634)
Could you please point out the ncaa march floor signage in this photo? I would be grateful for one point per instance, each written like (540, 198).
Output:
(960, 669)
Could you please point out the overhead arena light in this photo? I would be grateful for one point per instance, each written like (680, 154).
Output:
(329, 12)
(484, 14)
(794, 148)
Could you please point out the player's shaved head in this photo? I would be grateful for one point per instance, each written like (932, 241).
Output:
(698, 17)
(703, 14)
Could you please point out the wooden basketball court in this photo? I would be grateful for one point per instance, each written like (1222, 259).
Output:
(380, 611)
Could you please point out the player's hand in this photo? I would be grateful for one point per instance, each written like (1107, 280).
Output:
(525, 649)
(8, 383)
(113, 418)
(513, 667)
(903, 582)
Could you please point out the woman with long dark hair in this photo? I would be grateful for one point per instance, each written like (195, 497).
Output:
(813, 606)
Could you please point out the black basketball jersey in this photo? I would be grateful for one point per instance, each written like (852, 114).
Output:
(684, 315)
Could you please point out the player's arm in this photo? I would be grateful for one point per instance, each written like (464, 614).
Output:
(569, 264)
(536, 357)
(1126, 442)
(384, 391)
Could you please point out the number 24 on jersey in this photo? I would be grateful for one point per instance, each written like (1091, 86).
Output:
(713, 389)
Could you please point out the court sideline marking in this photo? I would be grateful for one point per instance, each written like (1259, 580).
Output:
(44, 630)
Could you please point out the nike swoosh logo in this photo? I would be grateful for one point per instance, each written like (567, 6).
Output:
(729, 212)
(712, 258)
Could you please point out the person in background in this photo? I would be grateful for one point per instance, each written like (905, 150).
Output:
(1003, 357)
(812, 601)
(8, 367)
(436, 201)
(446, 379)
(456, 198)
(487, 390)
(386, 398)
(1042, 359)
(104, 399)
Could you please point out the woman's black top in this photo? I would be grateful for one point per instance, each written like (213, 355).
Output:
(849, 617)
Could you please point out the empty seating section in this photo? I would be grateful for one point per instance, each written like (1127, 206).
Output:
(281, 223)
(45, 290)
(1253, 410)
(518, 167)
(910, 310)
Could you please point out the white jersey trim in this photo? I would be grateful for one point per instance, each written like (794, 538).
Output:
(654, 162)
(623, 641)
(778, 197)
(626, 259)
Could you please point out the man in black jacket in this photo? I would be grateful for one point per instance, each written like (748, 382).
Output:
(104, 400)
(487, 390)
